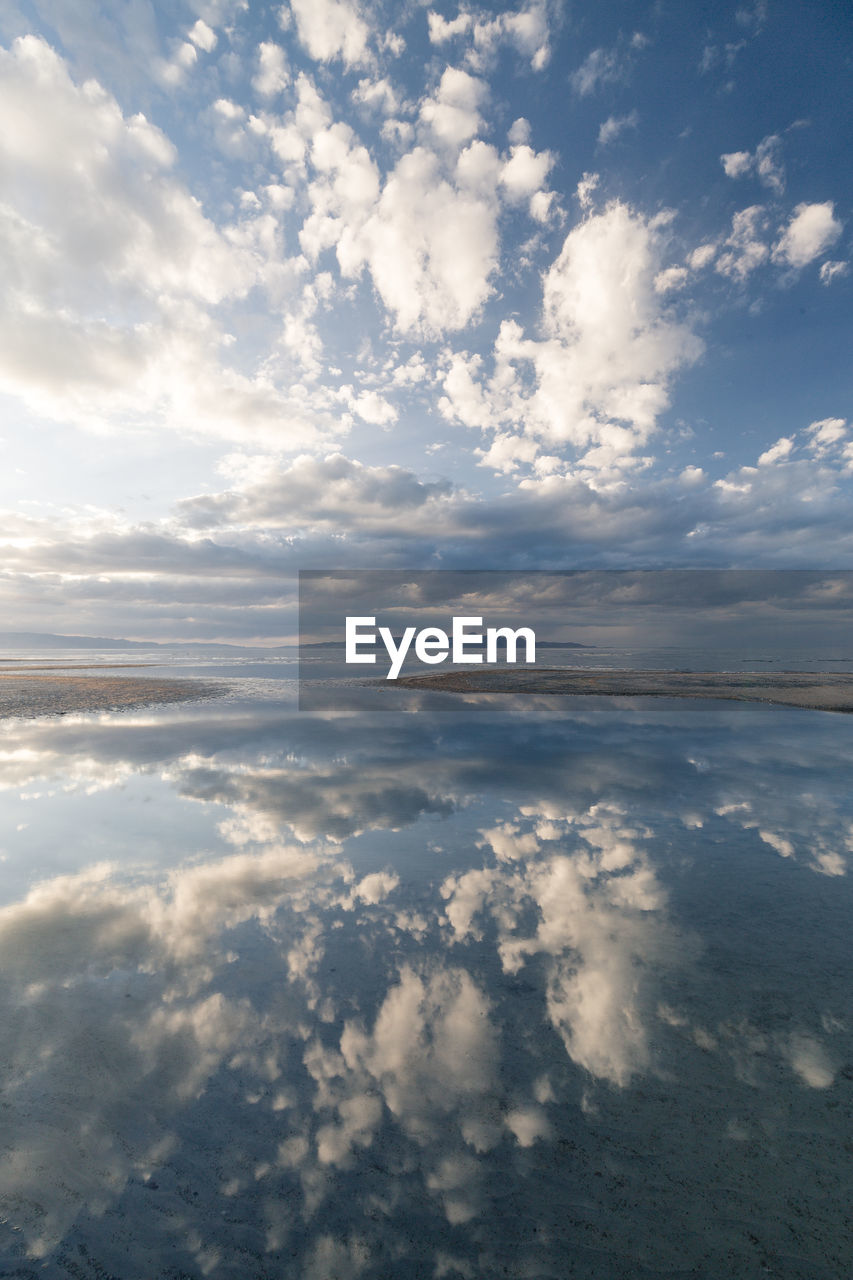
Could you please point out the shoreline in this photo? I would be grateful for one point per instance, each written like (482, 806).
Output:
(816, 691)
(27, 696)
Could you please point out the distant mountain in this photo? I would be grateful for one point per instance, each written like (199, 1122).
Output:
(562, 644)
(46, 640)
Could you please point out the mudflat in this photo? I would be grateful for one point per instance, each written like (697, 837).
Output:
(816, 690)
(29, 692)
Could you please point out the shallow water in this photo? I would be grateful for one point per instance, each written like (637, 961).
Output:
(562, 989)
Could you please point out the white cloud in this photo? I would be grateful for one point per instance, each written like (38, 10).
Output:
(527, 29)
(744, 249)
(602, 66)
(830, 271)
(202, 36)
(273, 74)
(429, 233)
(701, 257)
(443, 29)
(525, 172)
(766, 162)
(371, 407)
(109, 318)
(781, 449)
(431, 246)
(826, 433)
(379, 94)
(519, 132)
(453, 113)
(586, 189)
(601, 372)
(173, 72)
(319, 492)
(671, 279)
(331, 29)
(812, 229)
(224, 555)
(614, 125)
(737, 163)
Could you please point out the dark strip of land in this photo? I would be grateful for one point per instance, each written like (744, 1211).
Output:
(51, 695)
(817, 690)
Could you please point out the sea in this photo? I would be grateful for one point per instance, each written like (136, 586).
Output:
(563, 988)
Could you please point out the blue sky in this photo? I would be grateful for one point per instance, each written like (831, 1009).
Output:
(328, 284)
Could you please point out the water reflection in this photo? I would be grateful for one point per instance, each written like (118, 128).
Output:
(561, 990)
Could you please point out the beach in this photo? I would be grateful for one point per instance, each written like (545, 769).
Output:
(818, 691)
(48, 690)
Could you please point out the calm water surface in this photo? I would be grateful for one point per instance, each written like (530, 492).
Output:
(561, 989)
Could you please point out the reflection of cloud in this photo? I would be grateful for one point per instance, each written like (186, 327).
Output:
(600, 922)
(432, 1049)
(109, 1035)
(811, 1061)
(528, 1124)
(801, 826)
(309, 1044)
(314, 801)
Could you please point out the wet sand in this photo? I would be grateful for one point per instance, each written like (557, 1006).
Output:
(27, 692)
(816, 690)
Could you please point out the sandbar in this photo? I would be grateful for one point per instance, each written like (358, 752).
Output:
(36, 694)
(819, 691)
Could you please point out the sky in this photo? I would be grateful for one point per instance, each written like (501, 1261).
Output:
(328, 284)
(794, 615)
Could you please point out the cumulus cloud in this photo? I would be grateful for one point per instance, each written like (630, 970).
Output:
(202, 36)
(68, 150)
(765, 162)
(453, 113)
(826, 433)
(273, 74)
(601, 373)
(671, 279)
(781, 449)
(431, 245)
(225, 559)
(331, 30)
(744, 249)
(321, 492)
(811, 230)
(527, 29)
(428, 231)
(737, 163)
(379, 94)
(108, 315)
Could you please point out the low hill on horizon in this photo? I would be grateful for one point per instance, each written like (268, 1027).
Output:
(49, 640)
